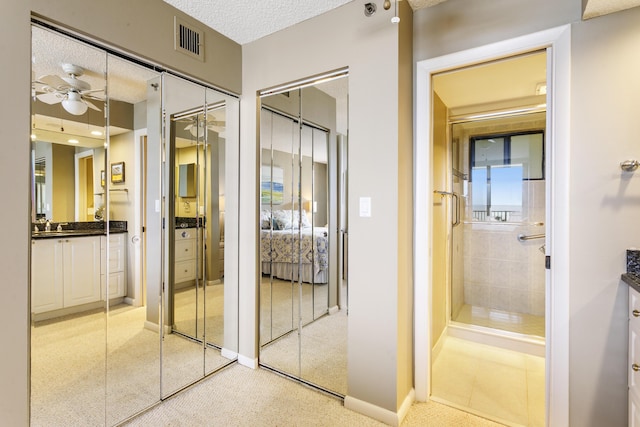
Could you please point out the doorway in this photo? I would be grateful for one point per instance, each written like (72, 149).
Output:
(555, 44)
(488, 214)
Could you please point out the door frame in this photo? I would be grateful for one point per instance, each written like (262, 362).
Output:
(81, 184)
(557, 41)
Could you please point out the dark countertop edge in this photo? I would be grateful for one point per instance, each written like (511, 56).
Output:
(75, 233)
(632, 280)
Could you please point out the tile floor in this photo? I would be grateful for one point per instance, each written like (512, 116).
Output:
(502, 385)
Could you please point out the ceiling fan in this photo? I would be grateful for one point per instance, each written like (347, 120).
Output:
(70, 91)
(196, 127)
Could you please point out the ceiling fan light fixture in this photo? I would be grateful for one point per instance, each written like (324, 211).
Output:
(74, 105)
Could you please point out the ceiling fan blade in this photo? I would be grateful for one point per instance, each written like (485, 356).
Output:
(50, 98)
(89, 92)
(90, 105)
(55, 82)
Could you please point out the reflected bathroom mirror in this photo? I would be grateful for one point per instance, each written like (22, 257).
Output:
(303, 302)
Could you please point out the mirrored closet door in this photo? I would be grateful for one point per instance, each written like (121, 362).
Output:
(199, 334)
(302, 300)
(132, 296)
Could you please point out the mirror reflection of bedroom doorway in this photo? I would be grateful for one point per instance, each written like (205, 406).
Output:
(303, 291)
(489, 232)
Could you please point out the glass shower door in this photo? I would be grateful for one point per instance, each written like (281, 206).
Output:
(497, 250)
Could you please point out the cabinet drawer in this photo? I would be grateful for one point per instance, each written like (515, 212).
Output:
(634, 308)
(185, 250)
(117, 285)
(185, 270)
(185, 233)
(117, 253)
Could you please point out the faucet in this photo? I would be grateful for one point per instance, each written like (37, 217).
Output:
(47, 226)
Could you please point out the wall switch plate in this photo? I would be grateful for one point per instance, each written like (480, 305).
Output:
(365, 207)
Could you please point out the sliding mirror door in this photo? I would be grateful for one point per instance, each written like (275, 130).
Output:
(133, 348)
(220, 125)
(134, 234)
(200, 315)
(68, 321)
(183, 298)
(302, 331)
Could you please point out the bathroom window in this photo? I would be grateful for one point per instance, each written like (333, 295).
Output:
(501, 166)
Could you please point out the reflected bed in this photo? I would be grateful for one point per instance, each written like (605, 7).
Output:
(279, 247)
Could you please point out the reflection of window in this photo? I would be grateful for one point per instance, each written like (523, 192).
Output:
(499, 164)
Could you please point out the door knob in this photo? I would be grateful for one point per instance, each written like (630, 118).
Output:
(635, 367)
(635, 313)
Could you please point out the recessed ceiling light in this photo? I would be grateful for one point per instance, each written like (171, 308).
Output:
(96, 133)
(73, 141)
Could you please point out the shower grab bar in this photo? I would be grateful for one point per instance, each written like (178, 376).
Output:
(522, 237)
(455, 196)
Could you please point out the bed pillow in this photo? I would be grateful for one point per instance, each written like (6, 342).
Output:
(265, 219)
(305, 220)
(284, 220)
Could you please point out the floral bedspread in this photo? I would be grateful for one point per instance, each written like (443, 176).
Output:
(285, 245)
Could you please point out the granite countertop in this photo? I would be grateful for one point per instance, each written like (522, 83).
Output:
(632, 276)
(78, 229)
(632, 280)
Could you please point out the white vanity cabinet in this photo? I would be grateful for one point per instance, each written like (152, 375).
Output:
(65, 272)
(117, 263)
(634, 358)
(185, 256)
(46, 275)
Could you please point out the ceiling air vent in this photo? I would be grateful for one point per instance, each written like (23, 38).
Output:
(188, 39)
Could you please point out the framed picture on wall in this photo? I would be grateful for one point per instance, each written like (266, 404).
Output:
(271, 186)
(117, 172)
(102, 178)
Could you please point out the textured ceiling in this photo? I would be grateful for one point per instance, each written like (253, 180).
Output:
(244, 21)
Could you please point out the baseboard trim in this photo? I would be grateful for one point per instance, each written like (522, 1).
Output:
(334, 309)
(406, 405)
(229, 354)
(151, 326)
(248, 361)
(386, 416)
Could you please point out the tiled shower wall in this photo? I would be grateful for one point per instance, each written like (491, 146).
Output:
(501, 272)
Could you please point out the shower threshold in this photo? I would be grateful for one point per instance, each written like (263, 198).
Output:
(528, 344)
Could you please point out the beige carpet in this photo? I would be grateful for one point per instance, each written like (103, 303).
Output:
(323, 353)
(239, 396)
(279, 306)
(70, 372)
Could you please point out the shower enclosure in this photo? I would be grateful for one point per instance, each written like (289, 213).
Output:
(497, 204)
